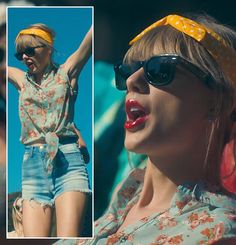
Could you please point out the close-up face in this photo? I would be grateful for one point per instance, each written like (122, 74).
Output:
(168, 118)
(35, 55)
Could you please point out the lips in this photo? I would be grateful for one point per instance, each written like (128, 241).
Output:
(30, 64)
(136, 114)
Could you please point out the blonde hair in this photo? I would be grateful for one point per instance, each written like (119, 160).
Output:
(24, 41)
(167, 40)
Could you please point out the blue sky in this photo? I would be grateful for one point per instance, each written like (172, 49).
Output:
(70, 25)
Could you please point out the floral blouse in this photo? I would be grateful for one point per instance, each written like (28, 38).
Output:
(46, 110)
(199, 214)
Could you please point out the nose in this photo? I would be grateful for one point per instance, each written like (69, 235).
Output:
(25, 56)
(137, 82)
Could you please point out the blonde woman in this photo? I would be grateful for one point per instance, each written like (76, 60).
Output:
(180, 81)
(54, 172)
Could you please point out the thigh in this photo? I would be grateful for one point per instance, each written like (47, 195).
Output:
(70, 173)
(36, 219)
(70, 210)
(36, 184)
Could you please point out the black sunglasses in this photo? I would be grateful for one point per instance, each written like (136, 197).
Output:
(29, 51)
(158, 70)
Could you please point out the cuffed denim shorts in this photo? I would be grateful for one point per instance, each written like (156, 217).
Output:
(69, 173)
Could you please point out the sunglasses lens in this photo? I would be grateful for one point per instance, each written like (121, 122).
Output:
(29, 52)
(122, 72)
(160, 70)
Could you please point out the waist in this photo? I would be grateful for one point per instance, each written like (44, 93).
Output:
(62, 140)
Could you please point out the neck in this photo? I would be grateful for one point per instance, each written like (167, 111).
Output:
(164, 173)
(39, 76)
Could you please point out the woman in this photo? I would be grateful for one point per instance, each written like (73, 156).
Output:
(180, 112)
(53, 172)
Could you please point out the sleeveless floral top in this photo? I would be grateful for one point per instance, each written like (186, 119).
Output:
(46, 111)
(199, 215)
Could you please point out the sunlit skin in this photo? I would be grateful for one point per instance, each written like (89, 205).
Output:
(174, 137)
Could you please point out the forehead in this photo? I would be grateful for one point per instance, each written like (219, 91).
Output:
(25, 41)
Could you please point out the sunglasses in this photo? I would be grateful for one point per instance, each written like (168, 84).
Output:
(29, 51)
(158, 71)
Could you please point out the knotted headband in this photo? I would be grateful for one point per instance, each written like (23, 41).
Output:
(224, 55)
(37, 32)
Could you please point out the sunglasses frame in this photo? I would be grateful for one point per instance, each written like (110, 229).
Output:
(29, 51)
(123, 71)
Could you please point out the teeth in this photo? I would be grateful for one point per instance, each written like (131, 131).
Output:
(134, 109)
(135, 113)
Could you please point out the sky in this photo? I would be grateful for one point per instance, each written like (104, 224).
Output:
(70, 25)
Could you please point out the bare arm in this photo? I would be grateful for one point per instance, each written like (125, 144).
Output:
(80, 141)
(16, 77)
(77, 60)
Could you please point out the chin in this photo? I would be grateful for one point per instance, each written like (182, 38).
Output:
(134, 144)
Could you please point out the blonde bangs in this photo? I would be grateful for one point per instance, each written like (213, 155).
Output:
(25, 41)
(155, 42)
(168, 40)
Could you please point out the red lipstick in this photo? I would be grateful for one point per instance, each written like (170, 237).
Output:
(136, 114)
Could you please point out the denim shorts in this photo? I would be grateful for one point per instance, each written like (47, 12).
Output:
(69, 173)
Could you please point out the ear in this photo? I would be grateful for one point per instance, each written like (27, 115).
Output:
(49, 50)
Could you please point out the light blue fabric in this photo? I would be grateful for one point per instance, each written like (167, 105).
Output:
(199, 214)
(69, 173)
(46, 110)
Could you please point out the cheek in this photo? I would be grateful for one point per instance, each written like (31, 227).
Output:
(178, 120)
(43, 57)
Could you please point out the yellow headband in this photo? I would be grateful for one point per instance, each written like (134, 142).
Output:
(37, 32)
(224, 55)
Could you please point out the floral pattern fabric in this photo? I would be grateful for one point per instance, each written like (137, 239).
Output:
(46, 110)
(199, 214)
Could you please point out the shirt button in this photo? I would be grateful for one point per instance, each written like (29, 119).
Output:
(124, 238)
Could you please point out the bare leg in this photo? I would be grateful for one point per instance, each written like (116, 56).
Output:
(36, 219)
(70, 210)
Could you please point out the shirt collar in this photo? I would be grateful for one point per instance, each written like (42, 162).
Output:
(204, 193)
(50, 68)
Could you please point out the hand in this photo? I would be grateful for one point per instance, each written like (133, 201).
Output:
(85, 154)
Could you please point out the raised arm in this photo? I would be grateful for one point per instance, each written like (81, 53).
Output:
(77, 60)
(16, 77)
